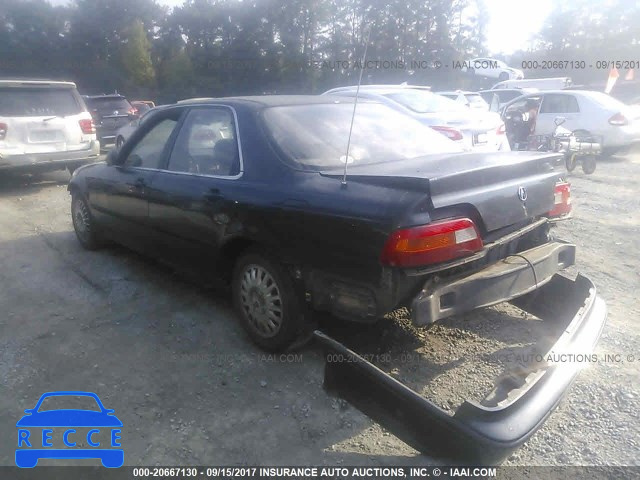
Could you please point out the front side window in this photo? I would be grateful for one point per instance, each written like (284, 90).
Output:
(147, 153)
(207, 144)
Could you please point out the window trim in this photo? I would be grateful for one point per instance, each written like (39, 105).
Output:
(172, 140)
(237, 131)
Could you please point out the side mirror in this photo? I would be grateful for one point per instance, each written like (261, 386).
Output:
(559, 121)
(112, 158)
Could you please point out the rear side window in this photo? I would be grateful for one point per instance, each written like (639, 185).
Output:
(554, 103)
(37, 102)
(207, 144)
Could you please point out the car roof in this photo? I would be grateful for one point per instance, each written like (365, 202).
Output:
(109, 95)
(457, 92)
(17, 82)
(269, 100)
(378, 88)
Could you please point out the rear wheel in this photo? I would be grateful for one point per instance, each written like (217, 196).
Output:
(265, 299)
(84, 224)
(589, 164)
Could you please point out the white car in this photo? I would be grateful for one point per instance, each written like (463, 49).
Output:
(472, 130)
(44, 125)
(472, 100)
(491, 68)
(593, 113)
(498, 98)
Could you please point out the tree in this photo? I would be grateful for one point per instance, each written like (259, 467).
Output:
(136, 55)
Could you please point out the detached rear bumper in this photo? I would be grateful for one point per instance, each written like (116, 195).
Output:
(488, 431)
(504, 280)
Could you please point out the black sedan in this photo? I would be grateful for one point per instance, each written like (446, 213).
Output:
(255, 190)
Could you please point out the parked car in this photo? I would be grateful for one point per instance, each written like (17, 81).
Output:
(472, 100)
(255, 189)
(555, 83)
(44, 125)
(125, 131)
(491, 68)
(473, 130)
(110, 112)
(585, 112)
(141, 107)
(498, 98)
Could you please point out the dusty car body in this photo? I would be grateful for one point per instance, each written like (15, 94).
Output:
(254, 189)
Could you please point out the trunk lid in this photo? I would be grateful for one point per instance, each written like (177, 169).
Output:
(505, 188)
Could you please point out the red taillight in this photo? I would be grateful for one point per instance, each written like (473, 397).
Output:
(450, 133)
(87, 126)
(433, 243)
(561, 200)
(132, 111)
(3, 130)
(501, 129)
(618, 119)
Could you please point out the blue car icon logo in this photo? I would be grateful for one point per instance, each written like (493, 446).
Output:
(37, 431)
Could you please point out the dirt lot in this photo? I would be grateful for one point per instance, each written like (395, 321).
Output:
(172, 361)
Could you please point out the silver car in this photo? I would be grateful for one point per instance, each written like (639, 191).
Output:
(594, 113)
(471, 129)
(125, 131)
(44, 125)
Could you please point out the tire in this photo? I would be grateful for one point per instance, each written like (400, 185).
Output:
(589, 164)
(266, 301)
(503, 76)
(119, 143)
(71, 169)
(570, 162)
(471, 71)
(84, 223)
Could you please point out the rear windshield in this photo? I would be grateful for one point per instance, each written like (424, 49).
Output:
(34, 102)
(425, 102)
(108, 104)
(315, 137)
(476, 101)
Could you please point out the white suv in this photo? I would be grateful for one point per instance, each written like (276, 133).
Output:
(44, 125)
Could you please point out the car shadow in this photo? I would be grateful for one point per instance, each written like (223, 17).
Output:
(20, 184)
(165, 351)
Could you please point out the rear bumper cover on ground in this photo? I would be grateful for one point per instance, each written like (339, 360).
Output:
(489, 431)
(499, 282)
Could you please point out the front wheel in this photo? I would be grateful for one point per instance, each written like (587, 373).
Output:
(84, 224)
(265, 299)
(570, 161)
(119, 143)
(589, 164)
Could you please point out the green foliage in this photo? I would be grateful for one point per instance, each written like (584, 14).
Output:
(224, 47)
(136, 55)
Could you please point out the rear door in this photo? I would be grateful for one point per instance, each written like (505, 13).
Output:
(43, 119)
(557, 105)
(192, 204)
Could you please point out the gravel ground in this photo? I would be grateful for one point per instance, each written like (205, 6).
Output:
(168, 356)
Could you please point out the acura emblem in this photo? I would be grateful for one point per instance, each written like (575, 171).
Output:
(522, 194)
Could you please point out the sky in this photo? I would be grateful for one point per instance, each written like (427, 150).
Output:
(511, 25)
